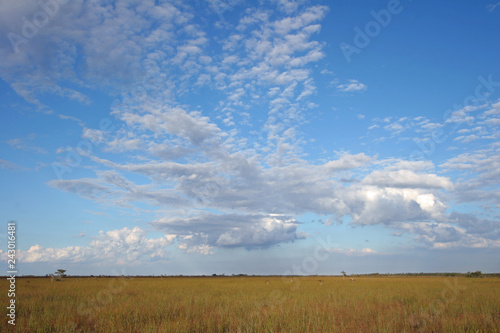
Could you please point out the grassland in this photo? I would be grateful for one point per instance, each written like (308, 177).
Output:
(256, 304)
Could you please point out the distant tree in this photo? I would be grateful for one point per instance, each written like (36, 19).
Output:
(344, 273)
(477, 274)
(60, 274)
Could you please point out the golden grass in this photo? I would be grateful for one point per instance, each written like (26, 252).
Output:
(250, 304)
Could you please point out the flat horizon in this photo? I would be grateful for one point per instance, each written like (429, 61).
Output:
(275, 137)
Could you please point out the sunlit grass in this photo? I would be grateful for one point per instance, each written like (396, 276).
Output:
(249, 304)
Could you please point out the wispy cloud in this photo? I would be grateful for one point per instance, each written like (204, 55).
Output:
(25, 144)
(491, 7)
(352, 86)
(7, 165)
(353, 252)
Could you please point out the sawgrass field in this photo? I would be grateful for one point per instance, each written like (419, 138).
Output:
(255, 304)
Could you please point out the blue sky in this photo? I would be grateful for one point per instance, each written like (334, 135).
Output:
(259, 137)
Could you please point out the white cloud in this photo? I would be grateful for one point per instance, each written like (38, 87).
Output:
(353, 252)
(7, 165)
(491, 7)
(371, 205)
(165, 119)
(492, 122)
(309, 16)
(195, 242)
(347, 161)
(495, 109)
(230, 230)
(25, 144)
(461, 116)
(352, 86)
(237, 183)
(113, 39)
(264, 70)
(482, 181)
(446, 236)
(289, 6)
(430, 126)
(94, 135)
(395, 127)
(467, 139)
(121, 245)
(269, 230)
(407, 179)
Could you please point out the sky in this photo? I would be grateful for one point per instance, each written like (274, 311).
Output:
(250, 137)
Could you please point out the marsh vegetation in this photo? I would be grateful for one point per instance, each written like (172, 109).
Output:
(258, 304)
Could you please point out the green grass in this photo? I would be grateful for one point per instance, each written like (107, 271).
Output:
(249, 304)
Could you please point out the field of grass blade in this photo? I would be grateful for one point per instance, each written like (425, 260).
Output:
(256, 304)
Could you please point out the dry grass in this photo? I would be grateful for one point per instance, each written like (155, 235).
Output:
(257, 304)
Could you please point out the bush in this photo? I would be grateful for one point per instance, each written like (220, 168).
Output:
(476, 274)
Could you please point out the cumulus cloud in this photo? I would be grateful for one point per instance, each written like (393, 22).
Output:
(261, 199)
(454, 230)
(164, 119)
(369, 205)
(231, 230)
(115, 246)
(474, 225)
(228, 182)
(267, 231)
(446, 236)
